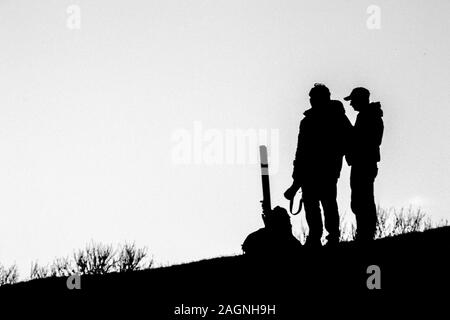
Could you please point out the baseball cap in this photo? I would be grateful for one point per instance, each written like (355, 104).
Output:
(359, 92)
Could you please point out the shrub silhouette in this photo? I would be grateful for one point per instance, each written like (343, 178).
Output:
(391, 222)
(38, 272)
(131, 258)
(9, 275)
(394, 222)
(96, 259)
(62, 267)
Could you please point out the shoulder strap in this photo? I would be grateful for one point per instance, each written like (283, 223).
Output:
(291, 205)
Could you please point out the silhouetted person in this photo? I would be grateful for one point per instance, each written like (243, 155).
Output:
(275, 237)
(322, 141)
(363, 156)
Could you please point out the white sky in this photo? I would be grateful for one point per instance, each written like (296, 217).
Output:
(87, 116)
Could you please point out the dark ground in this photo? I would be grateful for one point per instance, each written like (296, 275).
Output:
(415, 274)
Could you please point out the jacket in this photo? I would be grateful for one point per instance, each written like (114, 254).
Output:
(366, 136)
(322, 142)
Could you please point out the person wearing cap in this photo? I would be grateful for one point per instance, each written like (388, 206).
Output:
(322, 137)
(363, 157)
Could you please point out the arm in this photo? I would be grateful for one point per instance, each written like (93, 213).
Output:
(299, 155)
(347, 139)
(298, 165)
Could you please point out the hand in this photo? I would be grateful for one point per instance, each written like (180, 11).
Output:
(291, 191)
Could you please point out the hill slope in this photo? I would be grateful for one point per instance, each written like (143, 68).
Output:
(412, 266)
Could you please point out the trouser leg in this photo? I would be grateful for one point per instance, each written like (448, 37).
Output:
(356, 198)
(312, 213)
(363, 201)
(371, 211)
(331, 212)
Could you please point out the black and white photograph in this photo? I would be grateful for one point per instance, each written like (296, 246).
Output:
(224, 159)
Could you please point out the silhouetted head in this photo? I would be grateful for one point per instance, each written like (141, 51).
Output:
(359, 98)
(281, 211)
(319, 95)
(282, 220)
